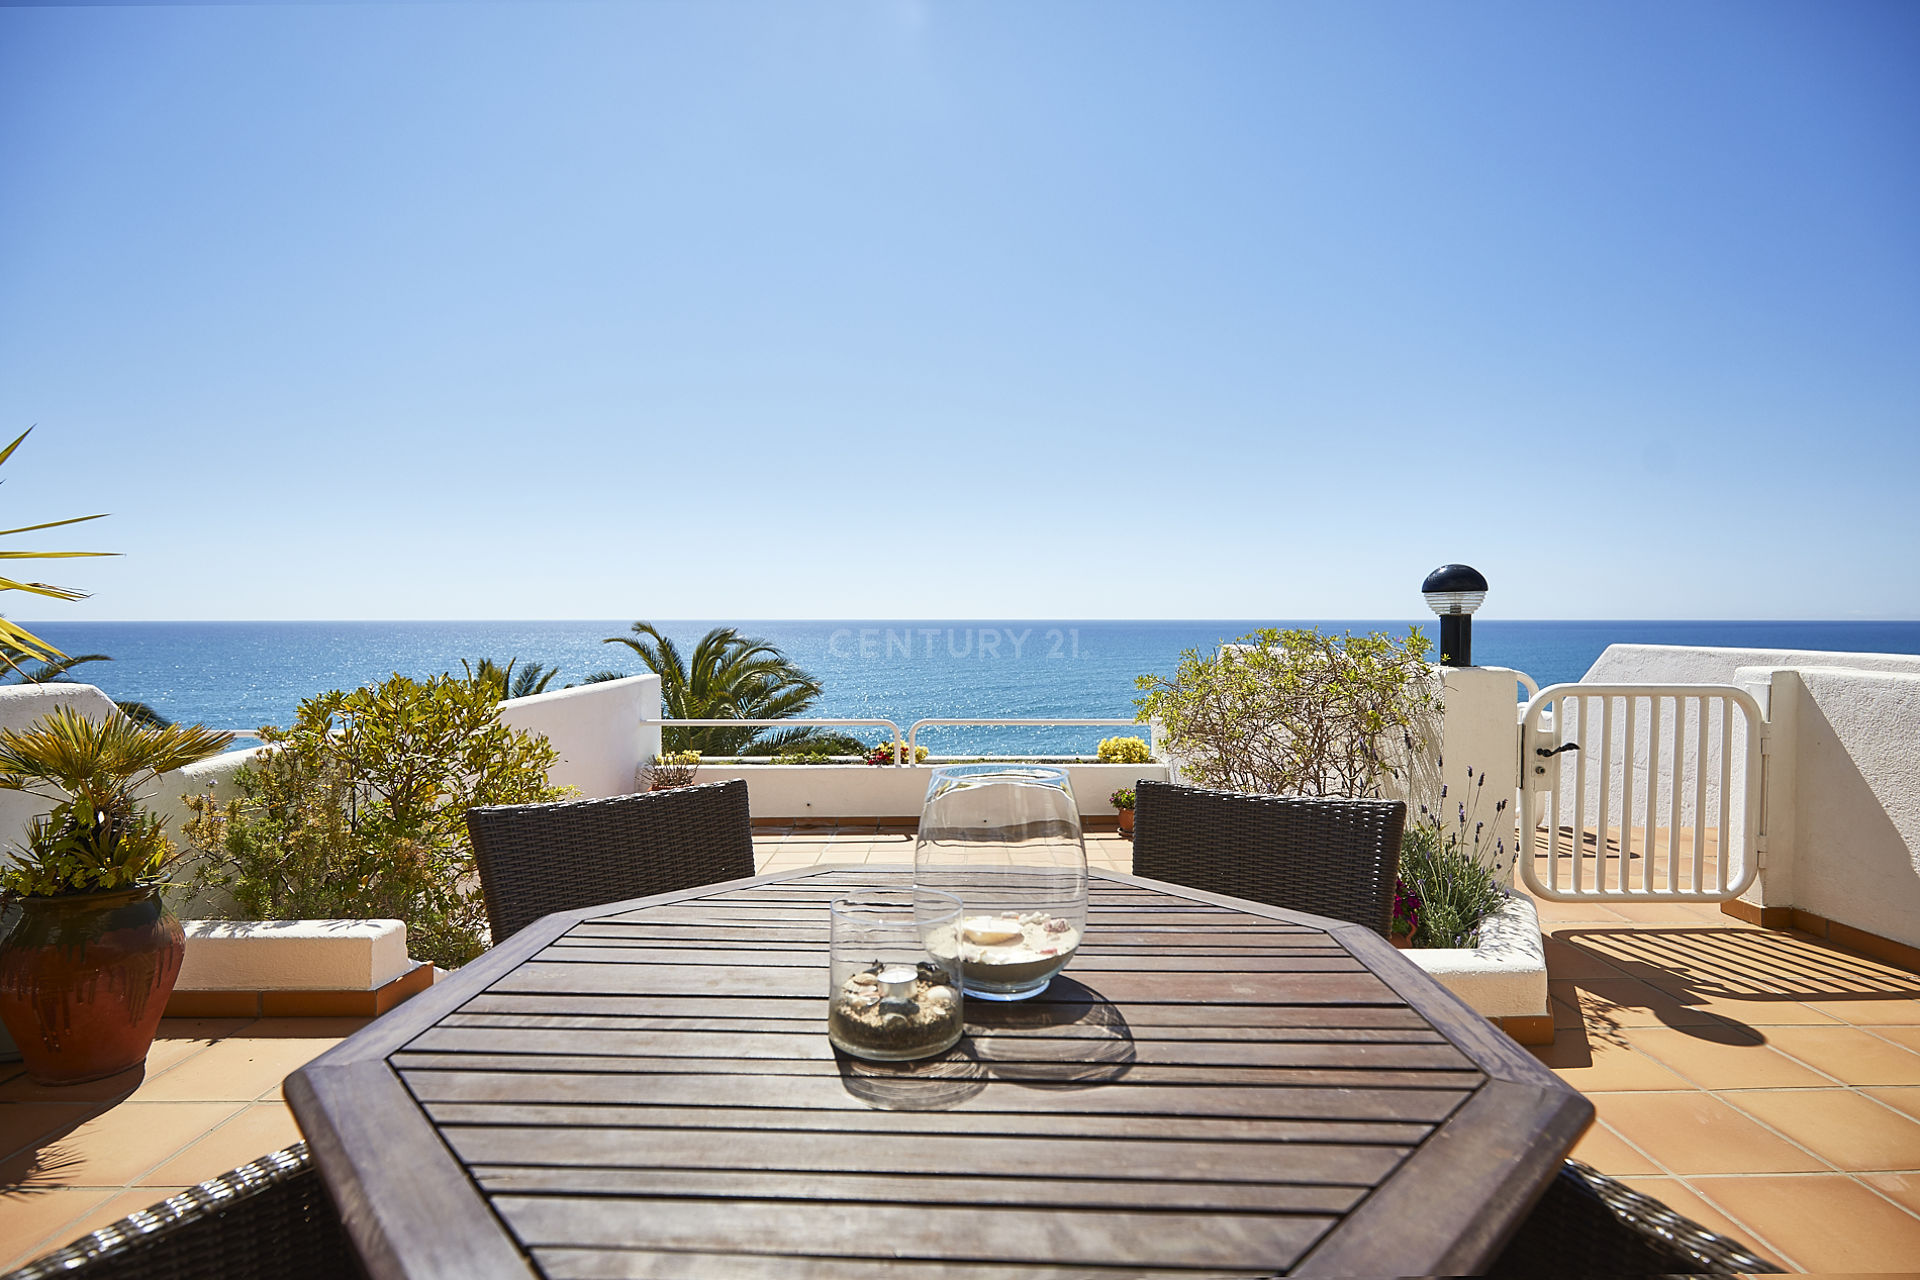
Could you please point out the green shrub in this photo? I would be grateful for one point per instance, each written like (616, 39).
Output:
(359, 812)
(1124, 751)
(1296, 712)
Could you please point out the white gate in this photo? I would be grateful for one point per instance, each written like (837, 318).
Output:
(1646, 793)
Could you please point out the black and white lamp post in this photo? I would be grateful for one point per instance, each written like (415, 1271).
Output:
(1454, 591)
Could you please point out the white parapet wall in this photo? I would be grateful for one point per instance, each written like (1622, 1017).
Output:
(600, 730)
(824, 792)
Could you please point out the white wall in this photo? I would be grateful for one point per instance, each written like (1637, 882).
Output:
(600, 731)
(1844, 814)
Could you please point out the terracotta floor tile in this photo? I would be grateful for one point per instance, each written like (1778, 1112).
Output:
(1906, 1037)
(24, 1124)
(1695, 1133)
(1826, 1222)
(1745, 1011)
(1626, 1002)
(1871, 1013)
(1719, 1057)
(263, 1127)
(1683, 1199)
(1569, 961)
(1902, 1188)
(1608, 1152)
(22, 1089)
(1669, 912)
(114, 1148)
(305, 1028)
(1848, 1129)
(237, 1070)
(1904, 1099)
(1849, 1054)
(31, 1223)
(1595, 1065)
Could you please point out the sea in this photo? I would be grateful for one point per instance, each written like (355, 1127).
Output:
(243, 675)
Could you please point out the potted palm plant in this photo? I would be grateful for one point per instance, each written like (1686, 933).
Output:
(92, 956)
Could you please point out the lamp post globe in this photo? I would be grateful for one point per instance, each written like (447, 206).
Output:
(1454, 591)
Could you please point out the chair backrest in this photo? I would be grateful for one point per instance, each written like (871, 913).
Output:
(270, 1219)
(535, 859)
(1333, 858)
(1590, 1225)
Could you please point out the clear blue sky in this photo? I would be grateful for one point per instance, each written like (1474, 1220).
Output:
(945, 310)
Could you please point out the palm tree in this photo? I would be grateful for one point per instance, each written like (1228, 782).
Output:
(506, 682)
(728, 677)
(15, 638)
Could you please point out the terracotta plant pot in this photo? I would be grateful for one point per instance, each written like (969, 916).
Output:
(1126, 822)
(84, 979)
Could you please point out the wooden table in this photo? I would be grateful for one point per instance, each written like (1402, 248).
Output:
(1213, 1087)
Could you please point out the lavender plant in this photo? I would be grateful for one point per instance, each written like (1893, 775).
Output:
(1453, 862)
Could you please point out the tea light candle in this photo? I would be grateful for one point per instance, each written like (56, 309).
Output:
(897, 980)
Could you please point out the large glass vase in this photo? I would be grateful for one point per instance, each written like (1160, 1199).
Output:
(1006, 839)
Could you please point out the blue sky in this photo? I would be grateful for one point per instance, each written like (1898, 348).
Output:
(942, 310)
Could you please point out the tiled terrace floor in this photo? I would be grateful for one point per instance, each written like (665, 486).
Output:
(1764, 1083)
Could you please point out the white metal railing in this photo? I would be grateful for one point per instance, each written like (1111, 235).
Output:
(1668, 776)
(903, 749)
(992, 723)
(795, 724)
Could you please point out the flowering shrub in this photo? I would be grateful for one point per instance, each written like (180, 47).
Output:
(883, 754)
(1124, 751)
(1122, 799)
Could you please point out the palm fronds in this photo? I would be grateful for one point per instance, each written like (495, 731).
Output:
(729, 676)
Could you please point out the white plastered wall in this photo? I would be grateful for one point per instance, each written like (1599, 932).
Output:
(604, 732)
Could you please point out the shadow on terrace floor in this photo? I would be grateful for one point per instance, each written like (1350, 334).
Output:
(1765, 1083)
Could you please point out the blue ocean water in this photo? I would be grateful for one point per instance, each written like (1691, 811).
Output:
(240, 675)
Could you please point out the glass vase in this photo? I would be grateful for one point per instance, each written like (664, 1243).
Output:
(893, 988)
(1006, 839)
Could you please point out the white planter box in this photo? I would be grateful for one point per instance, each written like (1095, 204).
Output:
(293, 955)
(1506, 975)
(827, 791)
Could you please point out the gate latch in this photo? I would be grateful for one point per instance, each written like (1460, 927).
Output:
(1546, 754)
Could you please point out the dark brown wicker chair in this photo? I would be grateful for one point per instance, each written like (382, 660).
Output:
(539, 858)
(270, 1219)
(1331, 857)
(1587, 1224)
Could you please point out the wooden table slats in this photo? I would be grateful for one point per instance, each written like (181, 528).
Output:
(1214, 1087)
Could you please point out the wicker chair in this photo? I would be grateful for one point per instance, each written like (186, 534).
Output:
(539, 858)
(1587, 1224)
(269, 1219)
(1331, 857)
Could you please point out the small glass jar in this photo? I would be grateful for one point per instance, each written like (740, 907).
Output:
(1006, 839)
(894, 974)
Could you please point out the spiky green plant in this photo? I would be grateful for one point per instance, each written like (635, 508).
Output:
(13, 636)
(96, 836)
(728, 677)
